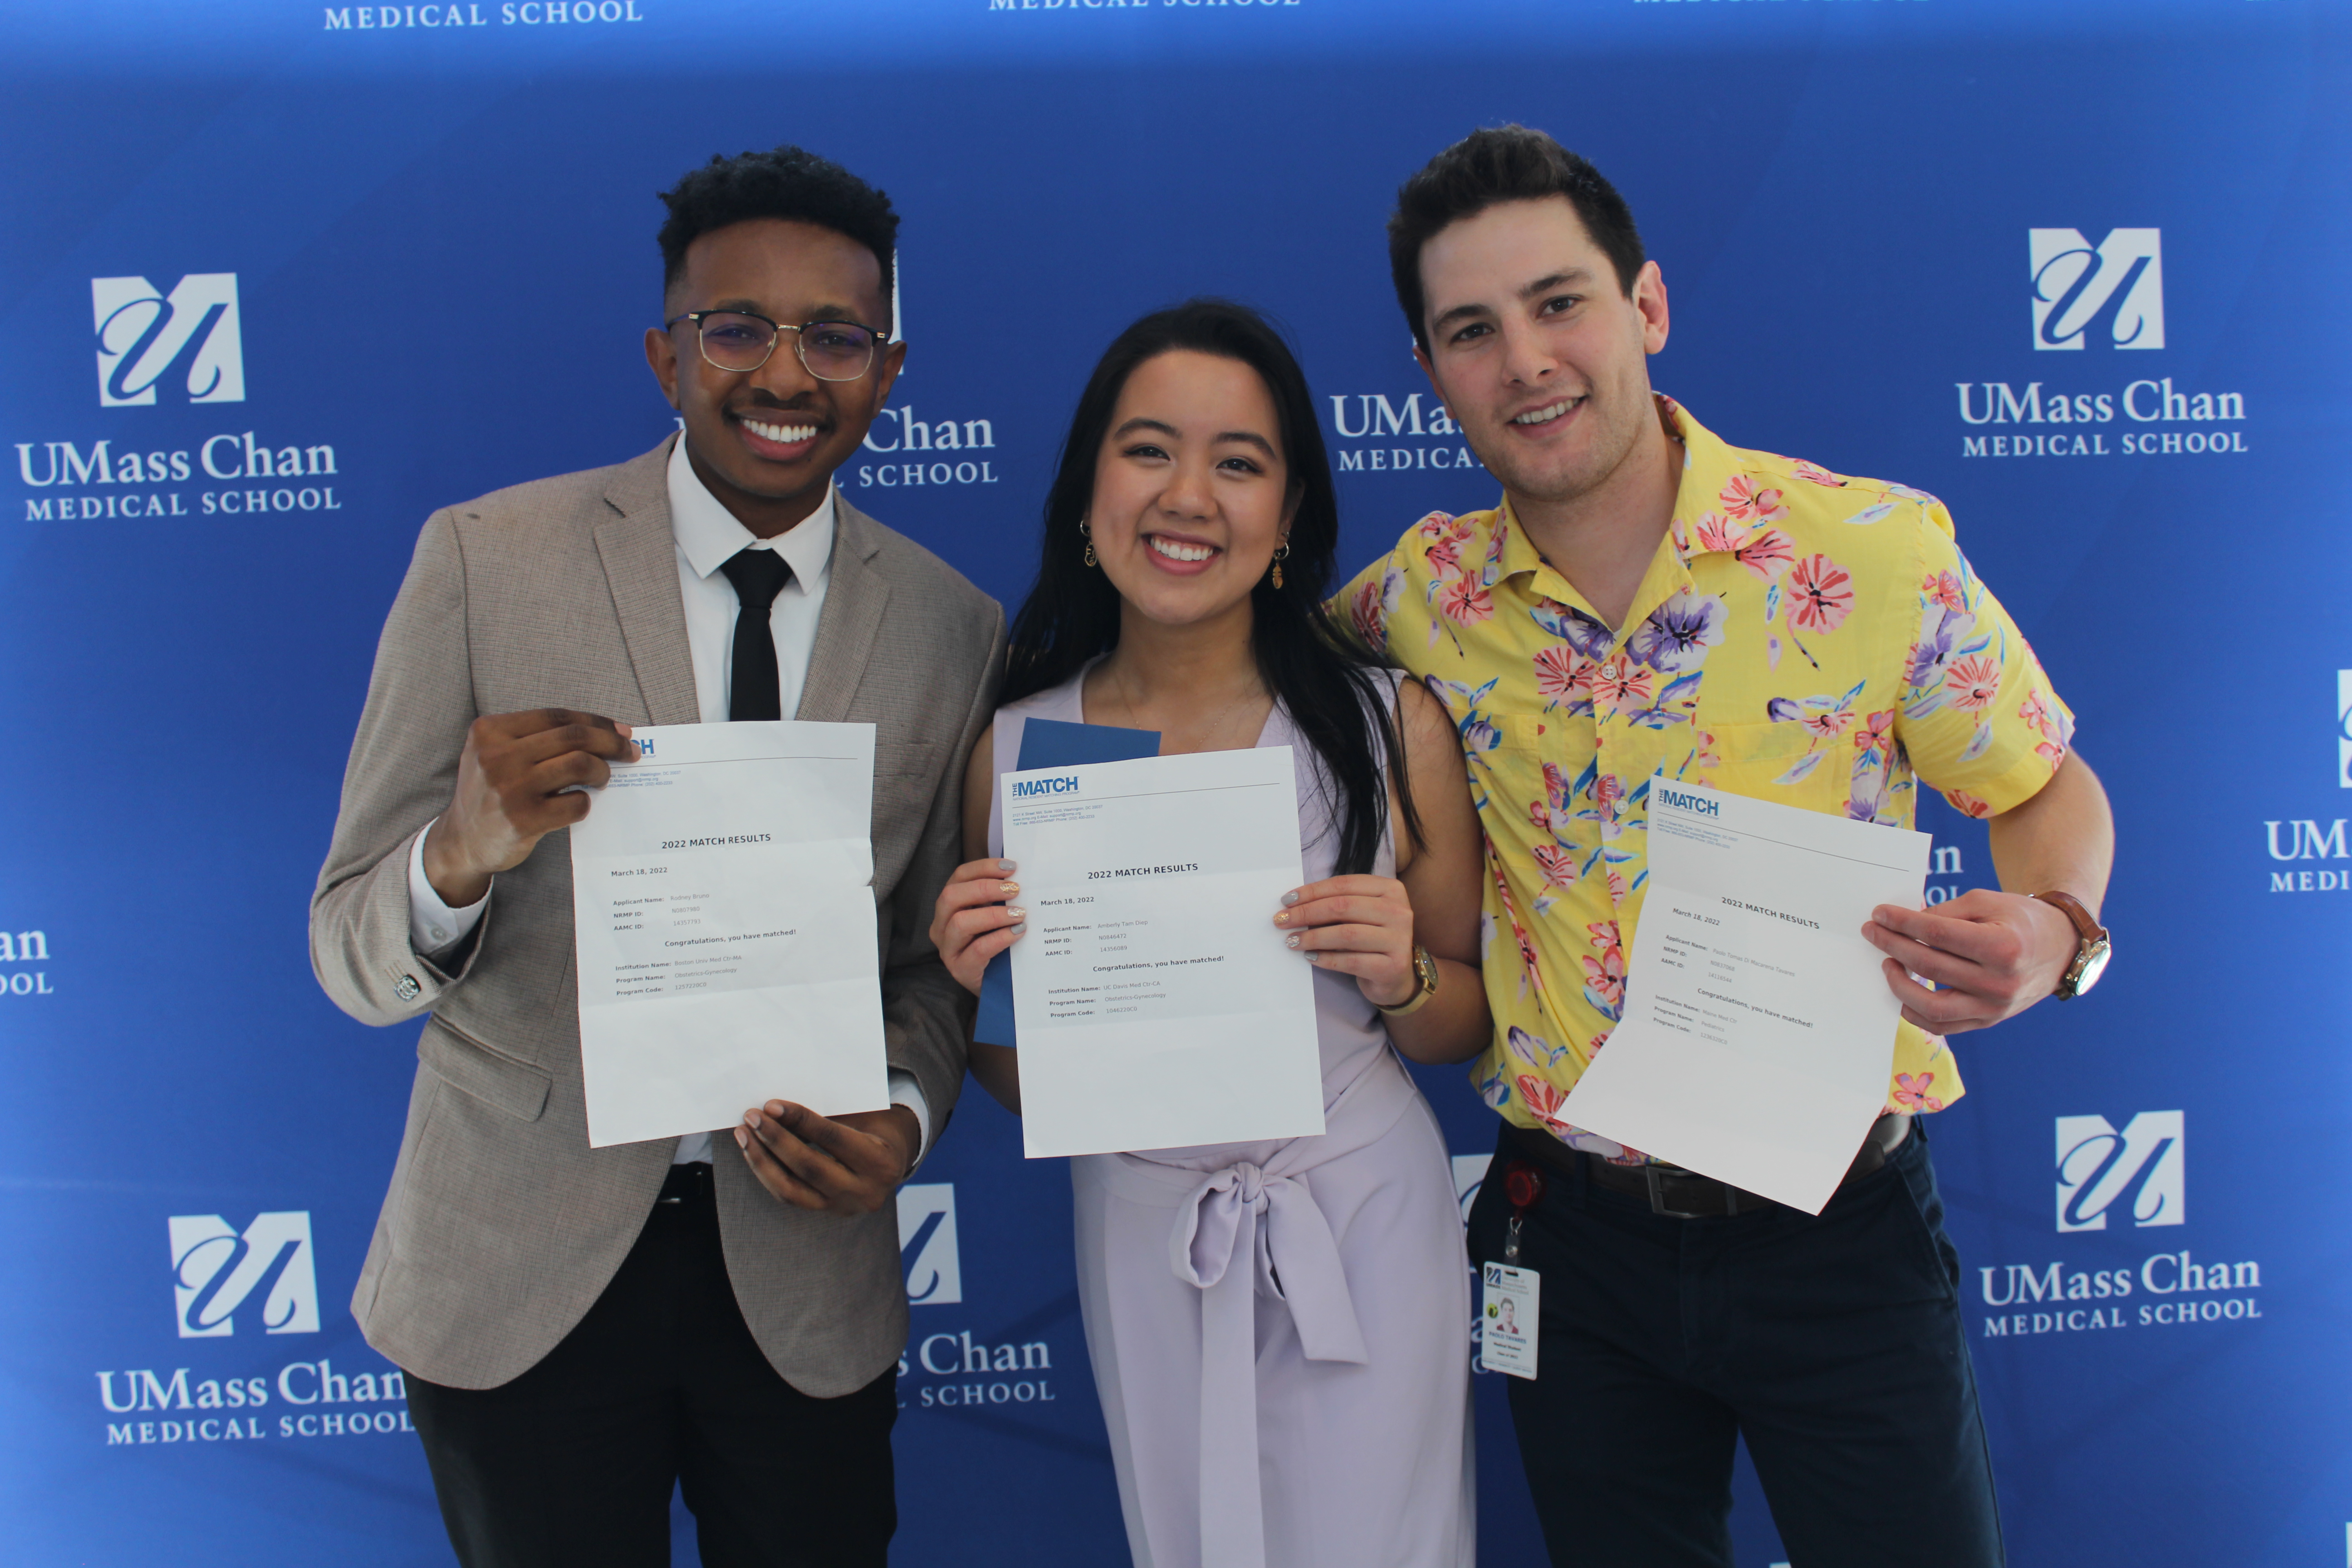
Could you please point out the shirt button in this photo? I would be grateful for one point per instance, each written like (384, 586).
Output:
(440, 935)
(1607, 672)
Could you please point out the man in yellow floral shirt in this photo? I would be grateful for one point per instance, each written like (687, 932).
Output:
(1646, 601)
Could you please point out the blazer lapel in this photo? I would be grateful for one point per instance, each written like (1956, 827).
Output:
(640, 561)
(855, 597)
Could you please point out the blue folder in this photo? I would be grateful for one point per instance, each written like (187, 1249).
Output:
(1051, 743)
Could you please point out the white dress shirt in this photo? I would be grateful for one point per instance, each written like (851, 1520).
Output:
(708, 536)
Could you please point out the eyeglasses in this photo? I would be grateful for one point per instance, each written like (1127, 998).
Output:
(741, 340)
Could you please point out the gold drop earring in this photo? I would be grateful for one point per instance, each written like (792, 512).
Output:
(1280, 551)
(1089, 534)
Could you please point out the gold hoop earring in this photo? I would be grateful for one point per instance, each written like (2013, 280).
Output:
(1089, 534)
(1280, 552)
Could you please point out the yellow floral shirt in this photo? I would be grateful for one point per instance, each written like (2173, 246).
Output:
(1799, 637)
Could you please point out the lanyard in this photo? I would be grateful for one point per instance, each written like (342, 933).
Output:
(1524, 1185)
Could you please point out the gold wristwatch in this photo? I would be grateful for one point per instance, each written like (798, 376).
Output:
(2091, 959)
(1424, 974)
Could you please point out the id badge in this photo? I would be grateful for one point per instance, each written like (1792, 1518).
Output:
(1506, 1319)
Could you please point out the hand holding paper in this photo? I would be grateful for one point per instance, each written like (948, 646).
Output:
(1158, 1006)
(847, 1164)
(1758, 1034)
(519, 779)
(723, 908)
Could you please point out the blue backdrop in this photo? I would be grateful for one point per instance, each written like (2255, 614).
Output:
(277, 278)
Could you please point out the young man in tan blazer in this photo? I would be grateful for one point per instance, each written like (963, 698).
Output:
(583, 1329)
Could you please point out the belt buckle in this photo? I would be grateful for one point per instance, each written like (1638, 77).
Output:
(1658, 1196)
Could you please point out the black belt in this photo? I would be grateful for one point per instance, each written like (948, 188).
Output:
(1677, 1193)
(688, 1183)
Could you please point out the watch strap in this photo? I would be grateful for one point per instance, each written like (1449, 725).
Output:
(2087, 927)
(1424, 976)
(2086, 922)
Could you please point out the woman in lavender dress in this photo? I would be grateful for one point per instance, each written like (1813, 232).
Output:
(1279, 1331)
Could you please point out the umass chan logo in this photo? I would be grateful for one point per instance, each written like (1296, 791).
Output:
(927, 1252)
(2111, 1180)
(2307, 838)
(2110, 296)
(2138, 1175)
(1396, 434)
(263, 1273)
(189, 341)
(951, 1368)
(2343, 727)
(2111, 293)
(25, 947)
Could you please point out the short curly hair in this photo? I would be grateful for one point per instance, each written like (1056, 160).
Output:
(1485, 169)
(790, 182)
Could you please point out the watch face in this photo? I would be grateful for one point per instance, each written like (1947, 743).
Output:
(2094, 966)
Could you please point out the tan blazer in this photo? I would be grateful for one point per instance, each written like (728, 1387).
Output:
(502, 1226)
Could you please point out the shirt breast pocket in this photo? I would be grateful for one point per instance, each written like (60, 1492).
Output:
(1782, 761)
(1543, 733)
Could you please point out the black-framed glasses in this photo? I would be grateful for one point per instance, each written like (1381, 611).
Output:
(743, 341)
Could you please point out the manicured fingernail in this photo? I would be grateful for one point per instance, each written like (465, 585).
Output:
(1016, 928)
(1291, 897)
(1008, 889)
(1007, 866)
(1018, 915)
(1291, 941)
(1282, 920)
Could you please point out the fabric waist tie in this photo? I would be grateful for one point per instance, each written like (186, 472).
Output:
(1241, 1232)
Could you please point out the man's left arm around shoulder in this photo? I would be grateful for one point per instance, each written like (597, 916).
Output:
(1994, 954)
(852, 1164)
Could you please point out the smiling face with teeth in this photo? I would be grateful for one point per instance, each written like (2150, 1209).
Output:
(766, 442)
(1541, 356)
(1192, 490)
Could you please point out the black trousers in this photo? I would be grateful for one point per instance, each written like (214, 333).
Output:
(661, 1387)
(1834, 1345)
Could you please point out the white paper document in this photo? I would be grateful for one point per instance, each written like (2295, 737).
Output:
(723, 905)
(1157, 1002)
(1758, 1032)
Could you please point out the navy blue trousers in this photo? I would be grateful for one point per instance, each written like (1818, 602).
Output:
(1833, 1345)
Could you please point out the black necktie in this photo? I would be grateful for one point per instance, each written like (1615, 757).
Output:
(758, 576)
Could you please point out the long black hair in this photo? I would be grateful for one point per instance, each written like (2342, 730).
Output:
(1322, 678)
